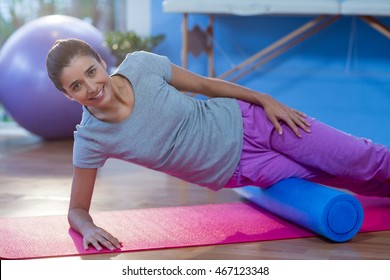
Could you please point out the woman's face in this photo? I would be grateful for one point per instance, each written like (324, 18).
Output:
(86, 81)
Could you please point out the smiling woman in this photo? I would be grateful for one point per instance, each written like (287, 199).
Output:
(61, 55)
(237, 137)
(83, 77)
(84, 80)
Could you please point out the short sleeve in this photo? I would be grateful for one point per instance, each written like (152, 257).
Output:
(87, 153)
(156, 63)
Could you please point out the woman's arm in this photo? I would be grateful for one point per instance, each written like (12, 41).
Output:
(185, 80)
(78, 215)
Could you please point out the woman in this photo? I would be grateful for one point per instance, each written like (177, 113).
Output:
(237, 137)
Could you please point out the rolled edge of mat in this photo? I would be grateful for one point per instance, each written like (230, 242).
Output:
(330, 213)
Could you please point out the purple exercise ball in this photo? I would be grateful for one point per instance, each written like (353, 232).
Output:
(26, 91)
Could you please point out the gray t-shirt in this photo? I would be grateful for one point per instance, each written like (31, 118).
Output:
(196, 140)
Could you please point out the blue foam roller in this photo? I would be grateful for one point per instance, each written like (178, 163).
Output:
(331, 213)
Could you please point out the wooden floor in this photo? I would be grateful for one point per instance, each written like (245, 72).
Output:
(35, 178)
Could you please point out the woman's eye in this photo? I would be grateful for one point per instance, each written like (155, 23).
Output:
(76, 86)
(92, 72)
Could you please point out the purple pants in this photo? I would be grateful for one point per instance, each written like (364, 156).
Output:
(326, 156)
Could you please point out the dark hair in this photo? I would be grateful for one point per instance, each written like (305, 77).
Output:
(61, 54)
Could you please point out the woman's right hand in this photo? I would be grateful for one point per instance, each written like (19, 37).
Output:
(99, 237)
(80, 219)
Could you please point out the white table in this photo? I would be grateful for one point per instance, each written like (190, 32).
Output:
(326, 11)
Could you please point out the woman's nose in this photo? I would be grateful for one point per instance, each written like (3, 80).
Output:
(90, 86)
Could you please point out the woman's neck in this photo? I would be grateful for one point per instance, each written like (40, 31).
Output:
(120, 104)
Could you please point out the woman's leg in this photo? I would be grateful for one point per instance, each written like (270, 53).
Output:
(325, 155)
(335, 152)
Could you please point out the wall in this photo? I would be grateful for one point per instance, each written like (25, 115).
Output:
(138, 16)
(339, 76)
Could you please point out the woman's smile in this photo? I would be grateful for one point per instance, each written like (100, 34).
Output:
(99, 96)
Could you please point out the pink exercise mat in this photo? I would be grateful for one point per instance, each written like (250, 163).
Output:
(159, 228)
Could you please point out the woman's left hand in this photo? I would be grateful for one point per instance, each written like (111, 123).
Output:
(277, 112)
